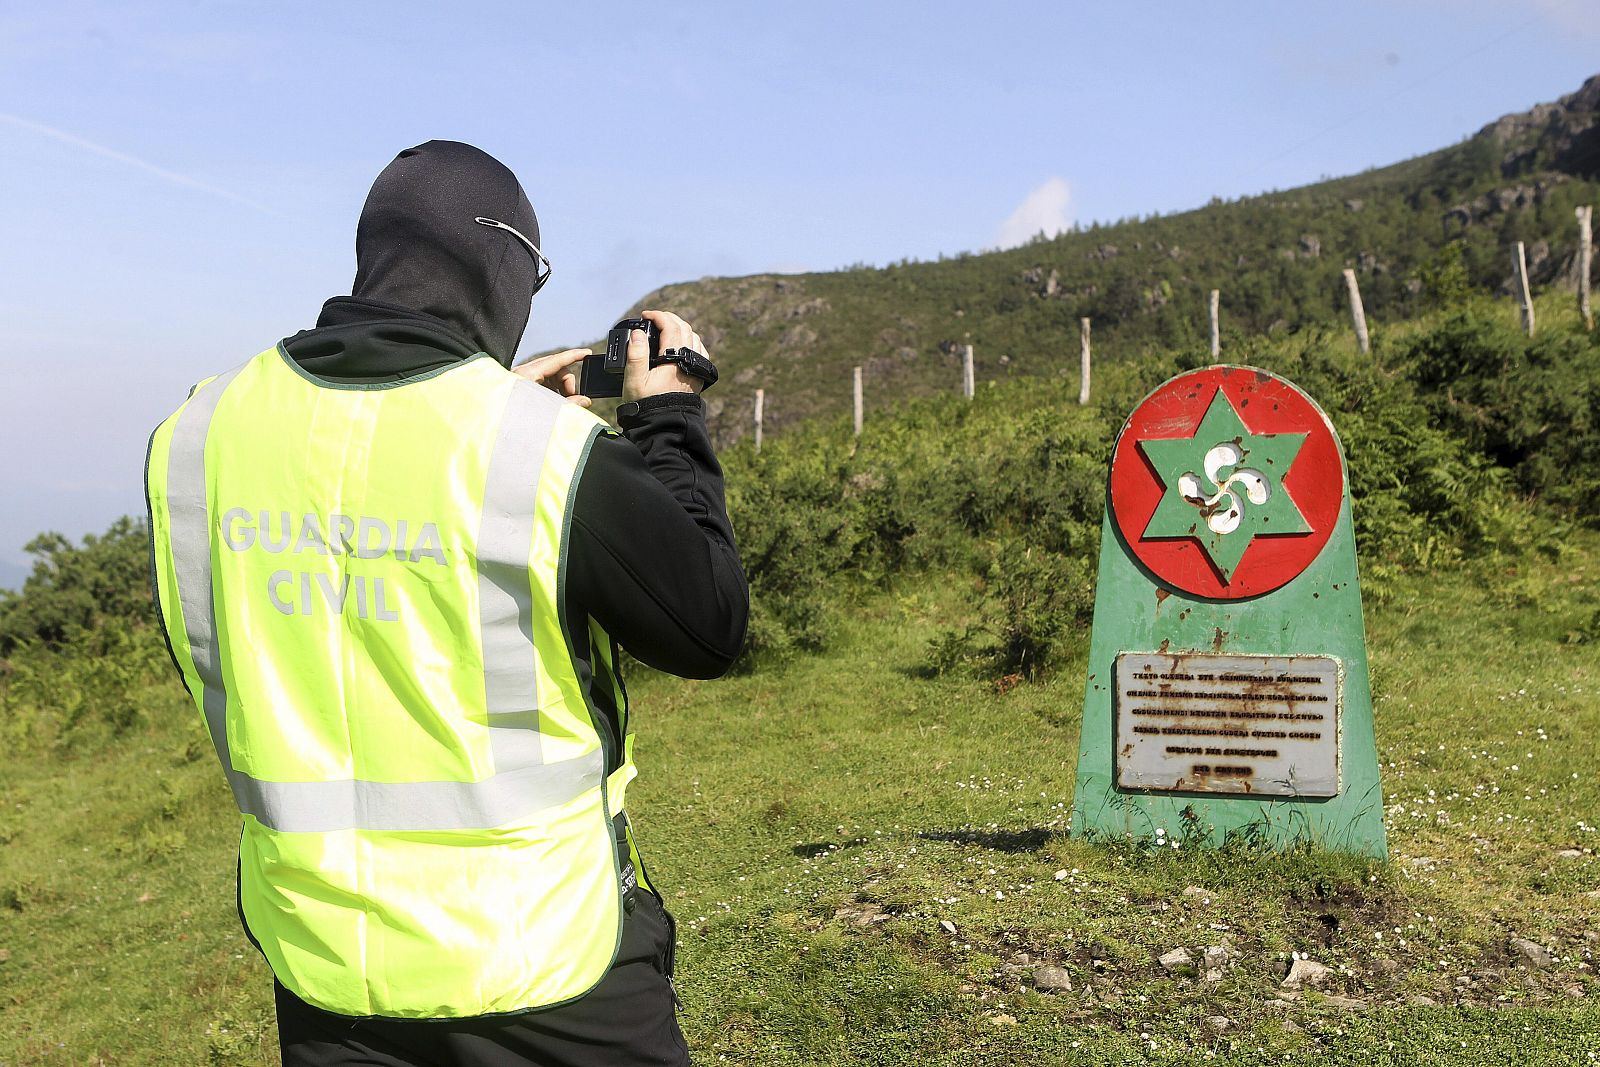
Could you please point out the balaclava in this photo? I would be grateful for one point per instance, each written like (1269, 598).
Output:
(417, 246)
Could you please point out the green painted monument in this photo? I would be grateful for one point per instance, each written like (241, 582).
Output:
(1227, 691)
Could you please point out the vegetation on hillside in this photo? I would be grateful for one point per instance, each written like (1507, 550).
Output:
(870, 866)
(78, 643)
(1277, 259)
(1463, 438)
(76, 591)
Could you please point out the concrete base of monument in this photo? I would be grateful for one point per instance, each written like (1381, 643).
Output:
(1265, 734)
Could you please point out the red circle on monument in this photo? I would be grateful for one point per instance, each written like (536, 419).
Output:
(1188, 546)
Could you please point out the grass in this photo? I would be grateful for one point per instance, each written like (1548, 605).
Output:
(868, 864)
(862, 816)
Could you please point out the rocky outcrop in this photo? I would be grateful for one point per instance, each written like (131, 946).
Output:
(1563, 136)
(1045, 285)
(1500, 201)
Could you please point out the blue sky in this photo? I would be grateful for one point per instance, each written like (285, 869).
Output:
(180, 180)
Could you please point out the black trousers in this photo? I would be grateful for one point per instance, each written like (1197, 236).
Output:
(628, 1020)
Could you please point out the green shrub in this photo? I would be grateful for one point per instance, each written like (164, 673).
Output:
(1033, 601)
(81, 698)
(820, 514)
(73, 590)
(79, 642)
(1446, 435)
(1531, 407)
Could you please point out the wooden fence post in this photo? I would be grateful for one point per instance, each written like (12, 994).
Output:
(1216, 332)
(858, 401)
(1520, 262)
(1585, 262)
(1357, 312)
(969, 382)
(761, 398)
(1083, 364)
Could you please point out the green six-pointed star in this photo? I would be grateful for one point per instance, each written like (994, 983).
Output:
(1224, 486)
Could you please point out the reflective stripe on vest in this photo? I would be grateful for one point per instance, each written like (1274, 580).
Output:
(362, 588)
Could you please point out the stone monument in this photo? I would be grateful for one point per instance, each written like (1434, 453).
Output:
(1227, 693)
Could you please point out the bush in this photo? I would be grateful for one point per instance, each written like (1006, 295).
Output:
(1445, 439)
(74, 590)
(71, 699)
(80, 642)
(1529, 407)
(1032, 602)
(821, 514)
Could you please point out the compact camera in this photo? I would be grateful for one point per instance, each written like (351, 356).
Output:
(602, 372)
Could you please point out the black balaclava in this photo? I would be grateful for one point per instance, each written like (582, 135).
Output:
(418, 248)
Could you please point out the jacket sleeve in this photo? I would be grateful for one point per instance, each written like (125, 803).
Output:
(651, 555)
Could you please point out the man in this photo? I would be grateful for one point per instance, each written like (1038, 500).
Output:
(395, 574)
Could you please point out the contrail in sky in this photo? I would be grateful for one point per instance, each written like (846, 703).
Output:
(133, 161)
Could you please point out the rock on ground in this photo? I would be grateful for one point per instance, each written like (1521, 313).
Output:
(1216, 959)
(1178, 961)
(1048, 979)
(1530, 953)
(1306, 973)
(1344, 1003)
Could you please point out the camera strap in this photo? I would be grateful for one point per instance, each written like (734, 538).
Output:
(691, 362)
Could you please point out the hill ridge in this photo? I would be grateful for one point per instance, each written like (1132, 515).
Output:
(1277, 258)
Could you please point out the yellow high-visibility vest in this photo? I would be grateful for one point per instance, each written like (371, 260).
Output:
(363, 588)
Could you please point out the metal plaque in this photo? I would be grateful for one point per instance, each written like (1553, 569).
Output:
(1194, 723)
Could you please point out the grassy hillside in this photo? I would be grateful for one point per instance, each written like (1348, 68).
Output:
(816, 824)
(1414, 232)
(1463, 439)
(865, 834)
(855, 806)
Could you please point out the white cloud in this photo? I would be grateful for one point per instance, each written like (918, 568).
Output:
(1047, 209)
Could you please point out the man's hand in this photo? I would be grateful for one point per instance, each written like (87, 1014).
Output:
(553, 373)
(640, 380)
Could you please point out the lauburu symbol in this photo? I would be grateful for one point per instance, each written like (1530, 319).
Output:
(1235, 504)
(1223, 510)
